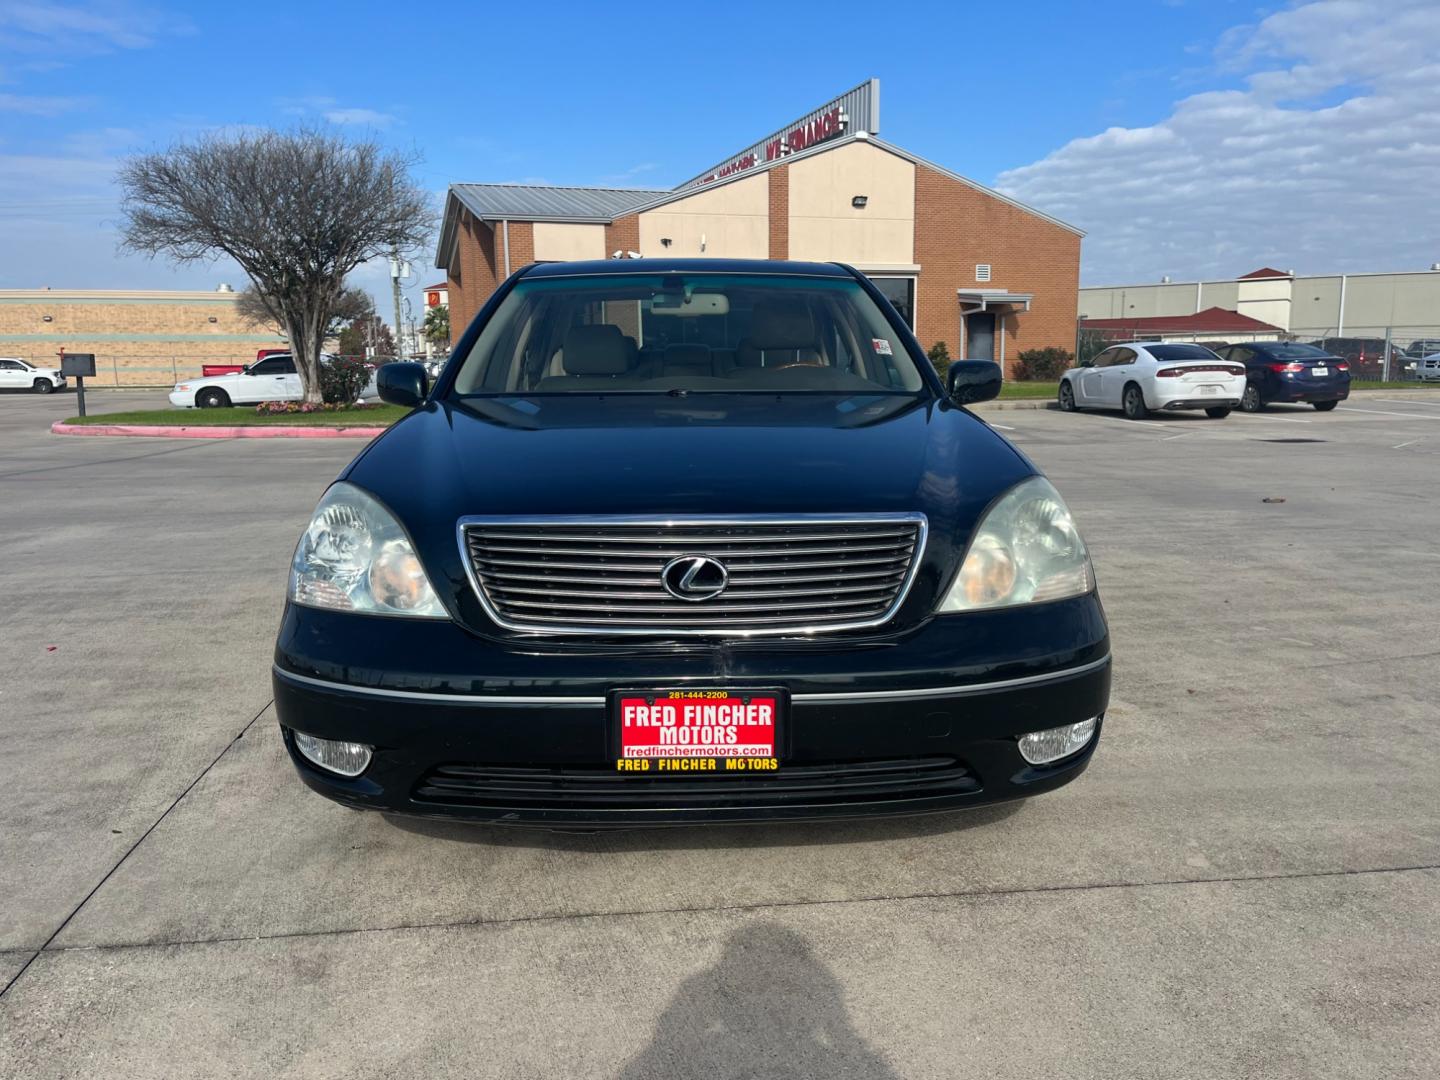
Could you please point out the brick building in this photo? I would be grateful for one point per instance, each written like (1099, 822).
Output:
(139, 338)
(962, 263)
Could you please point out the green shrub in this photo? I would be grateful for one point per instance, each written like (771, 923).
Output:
(940, 356)
(342, 378)
(1043, 365)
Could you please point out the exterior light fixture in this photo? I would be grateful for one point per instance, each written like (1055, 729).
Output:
(47, 318)
(214, 319)
(664, 241)
(859, 201)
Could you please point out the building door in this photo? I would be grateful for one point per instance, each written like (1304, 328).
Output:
(980, 336)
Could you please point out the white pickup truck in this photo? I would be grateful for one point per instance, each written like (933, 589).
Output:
(17, 374)
(271, 379)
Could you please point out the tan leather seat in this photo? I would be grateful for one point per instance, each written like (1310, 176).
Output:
(592, 357)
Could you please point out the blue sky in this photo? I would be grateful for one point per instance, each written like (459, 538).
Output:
(1062, 104)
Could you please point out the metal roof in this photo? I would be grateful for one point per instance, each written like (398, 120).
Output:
(686, 264)
(531, 202)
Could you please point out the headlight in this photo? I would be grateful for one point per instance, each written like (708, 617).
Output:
(356, 557)
(1026, 550)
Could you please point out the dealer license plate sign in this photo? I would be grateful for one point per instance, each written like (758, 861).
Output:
(690, 732)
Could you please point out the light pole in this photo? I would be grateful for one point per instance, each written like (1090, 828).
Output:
(398, 270)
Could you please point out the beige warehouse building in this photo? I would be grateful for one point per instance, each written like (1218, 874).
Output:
(1403, 306)
(139, 338)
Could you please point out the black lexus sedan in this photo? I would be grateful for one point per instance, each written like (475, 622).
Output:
(677, 541)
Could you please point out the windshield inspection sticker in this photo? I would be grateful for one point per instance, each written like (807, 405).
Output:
(882, 347)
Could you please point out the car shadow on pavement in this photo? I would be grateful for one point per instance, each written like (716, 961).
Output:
(710, 837)
(767, 1008)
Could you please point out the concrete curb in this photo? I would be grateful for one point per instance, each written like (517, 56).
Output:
(1023, 403)
(180, 432)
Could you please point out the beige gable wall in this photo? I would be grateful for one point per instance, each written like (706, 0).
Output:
(729, 222)
(567, 243)
(823, 224)
(1266, 299)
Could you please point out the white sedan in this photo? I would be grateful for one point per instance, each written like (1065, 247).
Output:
(17, 374)
(271, 379)
(1164, 376)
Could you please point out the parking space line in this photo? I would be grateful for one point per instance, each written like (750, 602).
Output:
(1405, 401)
(1002, 427)
(1277, 419)
(1402, 445)
(1391, 412)
(1131, 423)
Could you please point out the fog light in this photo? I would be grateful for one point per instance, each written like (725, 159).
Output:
(345, 758)
(1052, 744)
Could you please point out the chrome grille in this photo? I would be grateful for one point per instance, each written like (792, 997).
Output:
(602, 575)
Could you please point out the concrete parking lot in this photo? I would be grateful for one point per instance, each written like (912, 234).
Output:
(1245, 883)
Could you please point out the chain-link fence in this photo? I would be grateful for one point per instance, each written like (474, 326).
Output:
(1391, 353)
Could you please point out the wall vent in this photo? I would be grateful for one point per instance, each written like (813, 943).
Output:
(982, 271)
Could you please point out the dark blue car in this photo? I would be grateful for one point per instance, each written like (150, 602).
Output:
(1286, 371)
(676, 541)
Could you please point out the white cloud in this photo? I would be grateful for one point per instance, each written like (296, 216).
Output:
(1327, 160)
(83, 29)
(30, 105)
(335, 113)
(365, 117)
(629, 175)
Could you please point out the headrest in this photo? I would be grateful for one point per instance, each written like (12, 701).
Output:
(782, 324)
(596, 350)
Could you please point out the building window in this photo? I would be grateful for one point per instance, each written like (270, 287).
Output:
(982, 271)
(900, 291)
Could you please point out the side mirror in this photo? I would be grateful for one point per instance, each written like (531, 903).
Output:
(402, 384)
(970, 381)
(1089, 361)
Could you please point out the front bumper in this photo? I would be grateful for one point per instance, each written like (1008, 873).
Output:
(182, 400)
(894, 726)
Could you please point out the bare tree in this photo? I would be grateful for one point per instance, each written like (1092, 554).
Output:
(298, 210)
(257, 310)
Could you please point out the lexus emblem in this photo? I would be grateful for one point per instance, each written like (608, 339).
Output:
(694, 577)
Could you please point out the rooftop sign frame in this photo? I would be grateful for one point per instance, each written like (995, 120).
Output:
(857, 109)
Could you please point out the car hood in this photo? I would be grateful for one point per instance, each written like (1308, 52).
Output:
(697, 454)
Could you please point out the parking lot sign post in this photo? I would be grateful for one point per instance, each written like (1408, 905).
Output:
(79, 365)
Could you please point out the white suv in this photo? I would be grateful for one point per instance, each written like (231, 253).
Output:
(16, 374)
(1428, 368)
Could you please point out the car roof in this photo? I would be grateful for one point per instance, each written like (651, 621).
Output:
(687, 266)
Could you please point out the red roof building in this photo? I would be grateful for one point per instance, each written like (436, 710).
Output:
(1213, 320)
(1265, 272)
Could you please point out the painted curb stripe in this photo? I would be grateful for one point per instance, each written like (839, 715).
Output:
(176, 432)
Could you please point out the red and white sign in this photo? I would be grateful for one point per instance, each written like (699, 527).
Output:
(700, 726)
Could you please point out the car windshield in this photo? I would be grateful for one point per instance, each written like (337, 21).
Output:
(1181, 352)
(1286, 350)
(687, 332)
